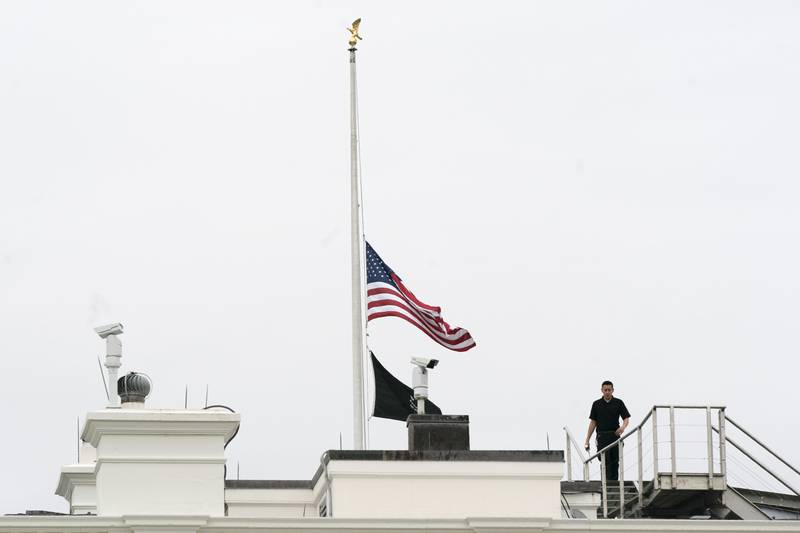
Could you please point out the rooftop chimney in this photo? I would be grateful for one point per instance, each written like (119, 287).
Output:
(159, 462)
(438, 432)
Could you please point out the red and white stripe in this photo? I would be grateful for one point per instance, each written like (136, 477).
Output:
(383, 299)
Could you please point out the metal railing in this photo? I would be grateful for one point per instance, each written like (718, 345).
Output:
(700, 435)
(568, 450)
(750, 456)
(651, 421)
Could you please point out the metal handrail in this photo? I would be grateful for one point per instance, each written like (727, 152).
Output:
(756, 461)
(622, 438)
(638, 430)
(712, 476)
(775, 455)
(575, 444)
(721, 407)
(647, 417)
(602, 455)
(571, 439)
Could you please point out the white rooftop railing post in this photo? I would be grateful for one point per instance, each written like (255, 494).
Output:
(603, 483)
(710, 444)
(621, 478)
(655, 449)
(568, 449)
(641, 468)
(723, 467)
(673, 459)
(584, 460)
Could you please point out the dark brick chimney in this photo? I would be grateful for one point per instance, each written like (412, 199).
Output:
(438, 432)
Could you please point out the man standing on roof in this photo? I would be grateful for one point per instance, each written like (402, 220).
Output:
(604, 416)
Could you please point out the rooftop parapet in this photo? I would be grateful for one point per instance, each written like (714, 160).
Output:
(159, 462)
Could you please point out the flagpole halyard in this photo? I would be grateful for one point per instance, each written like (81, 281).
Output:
(357, 259)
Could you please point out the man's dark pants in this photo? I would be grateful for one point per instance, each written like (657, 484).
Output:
(604, 438)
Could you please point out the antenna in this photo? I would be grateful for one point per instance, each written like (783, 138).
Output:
(186, 397)
(206, 405)
(237, 470)
(340, 440)
(103, 375)
(548, 441)
(78, 429)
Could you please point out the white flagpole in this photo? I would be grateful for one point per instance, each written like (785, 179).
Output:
(357, 256)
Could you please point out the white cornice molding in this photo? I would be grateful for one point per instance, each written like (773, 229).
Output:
(461, 470)
(444, 475)
(161, 460)
(131, 524)
(123, 422)
(675, 526)
(73, 475)
(62, 524)
(270, 504)
(164, 524)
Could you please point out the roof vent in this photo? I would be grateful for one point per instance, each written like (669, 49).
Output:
(133, 388)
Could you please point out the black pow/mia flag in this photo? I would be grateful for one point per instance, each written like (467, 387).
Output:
(393, 398)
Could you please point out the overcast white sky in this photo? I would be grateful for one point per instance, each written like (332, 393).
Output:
(596, 190)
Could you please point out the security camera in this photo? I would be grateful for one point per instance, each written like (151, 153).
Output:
(422, 362)
(108, 329)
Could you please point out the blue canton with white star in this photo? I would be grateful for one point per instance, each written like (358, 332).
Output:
(377, 270)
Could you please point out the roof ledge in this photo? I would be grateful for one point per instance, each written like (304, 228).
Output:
(73, 475)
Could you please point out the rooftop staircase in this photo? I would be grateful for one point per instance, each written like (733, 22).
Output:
(693, 470)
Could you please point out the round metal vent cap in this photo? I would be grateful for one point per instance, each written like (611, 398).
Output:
(133, 387)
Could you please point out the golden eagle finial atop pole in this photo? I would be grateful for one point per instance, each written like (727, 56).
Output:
(354, 36)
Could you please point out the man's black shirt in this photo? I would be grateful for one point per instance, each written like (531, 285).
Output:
(608, 413)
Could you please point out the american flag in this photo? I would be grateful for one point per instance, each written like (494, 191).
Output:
(387, 296)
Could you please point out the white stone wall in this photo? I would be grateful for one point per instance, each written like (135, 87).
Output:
(154, 462)
(271, 503)
(445, 489)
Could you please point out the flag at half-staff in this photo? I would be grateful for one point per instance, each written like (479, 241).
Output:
(393, 398)
(388, 296)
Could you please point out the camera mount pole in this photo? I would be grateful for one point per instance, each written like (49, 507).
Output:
(113, 362)
(419, 381)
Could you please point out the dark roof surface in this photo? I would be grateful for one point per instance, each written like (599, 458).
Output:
(588, 486)
(267, 484)
(517, 456)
